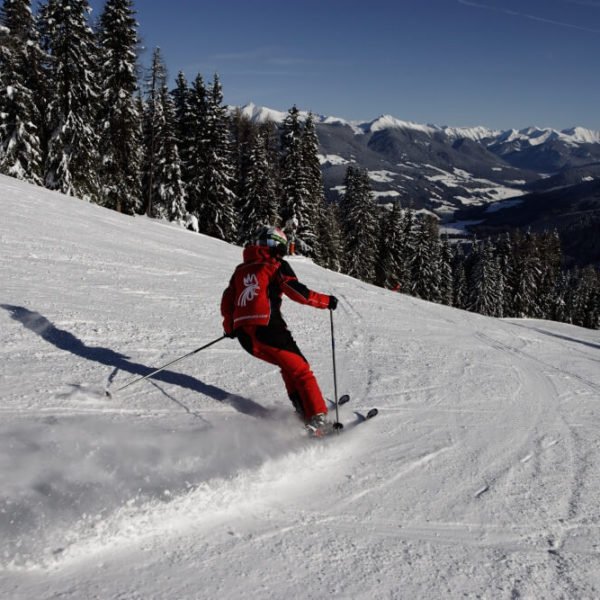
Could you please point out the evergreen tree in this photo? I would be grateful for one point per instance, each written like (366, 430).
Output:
(330, 236)
(20, 74)
(120, 121)
(196, 148)
(425, 266)
(586, 299)
(408, 250)
(550, 259)
(446, 274)
(73, 159)
(153, 121)
(295, 206)
(504, 255)
(169, 189)
(485, 284)
(388, 271)
(243, 137)
(259, 203)
(560, 301)
(459, 278)
(359, 226)
(526, 269)
(216, 198)
(315, 200)
(182, 108)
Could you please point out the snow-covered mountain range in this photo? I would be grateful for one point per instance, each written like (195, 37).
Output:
(479, 479)
(531, 135)
(466, 174)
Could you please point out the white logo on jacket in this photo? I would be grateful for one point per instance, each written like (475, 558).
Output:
(250, 290)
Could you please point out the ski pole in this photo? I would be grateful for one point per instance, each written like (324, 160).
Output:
(167, 365)
(337, 425)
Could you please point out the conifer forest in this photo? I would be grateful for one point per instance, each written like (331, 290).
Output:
(79, 115)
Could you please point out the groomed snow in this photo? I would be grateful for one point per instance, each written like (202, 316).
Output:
(479, 479)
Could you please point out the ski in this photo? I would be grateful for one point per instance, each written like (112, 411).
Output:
(341, 401)
(372, 413)
(360, 417)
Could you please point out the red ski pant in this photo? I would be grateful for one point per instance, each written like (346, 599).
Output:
(298, 377)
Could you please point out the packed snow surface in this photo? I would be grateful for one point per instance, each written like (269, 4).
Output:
(480, 478)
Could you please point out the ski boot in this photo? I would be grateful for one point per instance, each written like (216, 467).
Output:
(319, 426)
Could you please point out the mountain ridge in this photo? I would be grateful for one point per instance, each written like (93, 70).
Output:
(575, 134)
(467, 174)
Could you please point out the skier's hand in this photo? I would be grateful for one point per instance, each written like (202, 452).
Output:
(231, 334)
(333, 302)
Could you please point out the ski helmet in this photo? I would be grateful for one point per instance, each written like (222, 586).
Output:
(273, 238)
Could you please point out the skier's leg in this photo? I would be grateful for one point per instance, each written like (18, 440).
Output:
(247, 339)
(276, 346)
(296, 371)
(293, 394)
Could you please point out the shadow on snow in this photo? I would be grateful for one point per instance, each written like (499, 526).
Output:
(66, 341)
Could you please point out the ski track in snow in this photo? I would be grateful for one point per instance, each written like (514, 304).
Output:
(479, 479)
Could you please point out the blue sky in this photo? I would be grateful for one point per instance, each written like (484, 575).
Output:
(497, 63)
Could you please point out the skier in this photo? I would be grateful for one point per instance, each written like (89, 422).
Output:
(251, 312)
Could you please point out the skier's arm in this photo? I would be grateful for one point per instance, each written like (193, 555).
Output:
(227, 306)
(297, 291)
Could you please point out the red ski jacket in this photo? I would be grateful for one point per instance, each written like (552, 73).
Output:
(253, 296)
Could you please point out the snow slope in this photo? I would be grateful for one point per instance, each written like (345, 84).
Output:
(480, 478)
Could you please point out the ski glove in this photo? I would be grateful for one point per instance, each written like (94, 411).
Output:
(232, 334)
(333, 302)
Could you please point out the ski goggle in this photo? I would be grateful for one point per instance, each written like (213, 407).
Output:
(275, 237)
(275, 240)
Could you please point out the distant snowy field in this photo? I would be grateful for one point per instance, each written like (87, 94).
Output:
(479, 479)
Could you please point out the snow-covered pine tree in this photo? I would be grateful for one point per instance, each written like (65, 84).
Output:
(360, 227)
(586, 299)
(243, 136)
(258, 202)
(504, 255)
(20, 93)
(506, 245)
(216, 215)
(153, 116)
(484, 282)
(550, 263)
(526, 273)
(72, 163)
(560, 301)
(120, 121)
(196, 146)
(315, 201)
(593, 316)
(459, 277)
(408, 250)
(446, 276)
(388, 268)
(169, 193)
(182, 97)
(330, 236)
(295, 206)
(425, 267)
